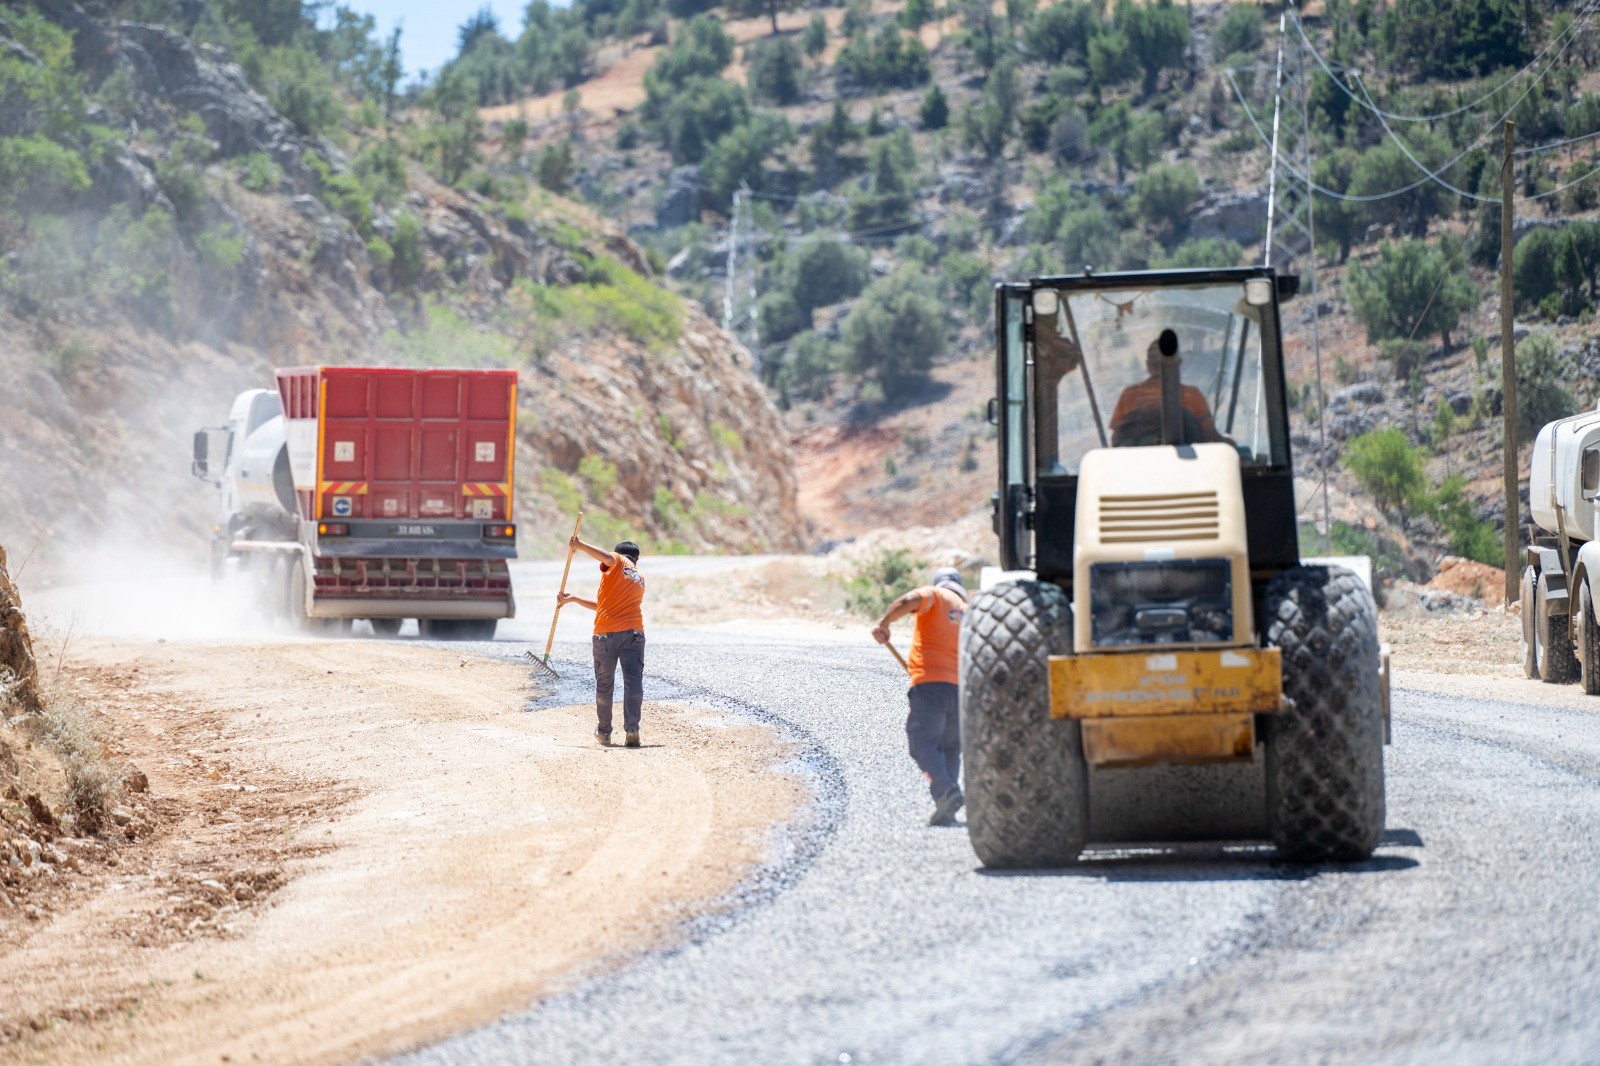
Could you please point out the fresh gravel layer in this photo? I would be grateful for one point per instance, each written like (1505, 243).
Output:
(1469, 936)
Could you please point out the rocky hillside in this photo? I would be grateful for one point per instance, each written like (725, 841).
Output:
(168, 236)
(899, 156)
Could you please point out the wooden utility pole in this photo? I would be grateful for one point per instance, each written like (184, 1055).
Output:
(1508, 378)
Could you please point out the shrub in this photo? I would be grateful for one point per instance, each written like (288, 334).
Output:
(406, 243)
(445, 337)
(1200, 252)
(36, 168)
(885, 60)
(381, 170)
(1544, 388)
(599, 475)
(880, 580)
(821, 272)
(1468, 535)
(1238, 31)
(1388, 467)
(298, 85)
(811, 364)
(1163, 195)
(259, 173)
(738, 155)
(697, 116)
(554, 167)
(341, 192)
(815, 40)
(219, 249)
(1063, 29)
(987, 124)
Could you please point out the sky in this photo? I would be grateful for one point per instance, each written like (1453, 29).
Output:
(428, 38)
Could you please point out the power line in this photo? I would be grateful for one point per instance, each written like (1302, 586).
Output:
(1556, 144)
(1571, 28)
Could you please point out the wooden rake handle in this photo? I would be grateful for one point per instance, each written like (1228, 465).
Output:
(898, 658)
(556, 616)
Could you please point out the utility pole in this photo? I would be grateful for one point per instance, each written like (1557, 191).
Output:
(740, 314)
(1291, 238)
(1508, 378)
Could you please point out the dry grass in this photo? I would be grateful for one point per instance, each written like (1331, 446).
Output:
(1488, 644)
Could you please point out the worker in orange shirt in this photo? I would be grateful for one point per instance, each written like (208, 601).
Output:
(934, 725)
(618, 635)
(1137, 418)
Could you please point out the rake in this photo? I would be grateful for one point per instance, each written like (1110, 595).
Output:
(544, 663)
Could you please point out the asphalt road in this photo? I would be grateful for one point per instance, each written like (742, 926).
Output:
(1470, 937)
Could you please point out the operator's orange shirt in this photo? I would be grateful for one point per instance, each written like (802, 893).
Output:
(934, 640)
(1147, 395)
(619, 605)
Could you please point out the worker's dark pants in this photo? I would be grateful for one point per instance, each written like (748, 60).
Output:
(610, 649)
(934, 729)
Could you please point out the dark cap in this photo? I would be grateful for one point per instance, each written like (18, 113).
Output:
(628, 548)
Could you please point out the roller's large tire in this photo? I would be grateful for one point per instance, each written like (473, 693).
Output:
(1530, 644)
(385, 627)
(1589, 642)
(1027, 784)
(1558, 659)
(1324, 757)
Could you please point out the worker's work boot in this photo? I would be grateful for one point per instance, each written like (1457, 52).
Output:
(633, 740)
(944, 812)
(603, 736)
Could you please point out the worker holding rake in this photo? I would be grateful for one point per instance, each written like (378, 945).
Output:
(933, 727)
(618, 634)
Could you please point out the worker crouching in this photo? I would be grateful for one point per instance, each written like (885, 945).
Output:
(933, 726)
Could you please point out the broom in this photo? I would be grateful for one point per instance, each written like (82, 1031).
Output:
(544, 664)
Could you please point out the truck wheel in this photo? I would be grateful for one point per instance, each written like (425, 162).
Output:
(1530, 646)
(1558, 660)
(295, 595)
(479, 629)
(438, 628)
(1027, 784)
(1589, 642)
(1324, 754)
(386, 627)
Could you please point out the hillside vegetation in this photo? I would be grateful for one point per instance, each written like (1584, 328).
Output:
(900, 156)
(191, 194)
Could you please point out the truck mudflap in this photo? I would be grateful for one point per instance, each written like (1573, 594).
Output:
(1142, 708)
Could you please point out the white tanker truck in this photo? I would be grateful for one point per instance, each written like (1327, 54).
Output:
(376, 493)
(1561, 583)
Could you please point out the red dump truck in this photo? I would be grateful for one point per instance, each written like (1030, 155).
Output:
(376, 493)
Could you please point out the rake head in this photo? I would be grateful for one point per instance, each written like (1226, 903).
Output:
(542, 666)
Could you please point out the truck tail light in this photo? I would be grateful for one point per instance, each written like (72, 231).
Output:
(500, 532)
(333, 529)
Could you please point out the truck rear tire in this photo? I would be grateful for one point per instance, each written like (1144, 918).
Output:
(1027, 783)
(295, 595)
(1558, 659)
(1588, 642)
(1530, 645)
(386, 627)
(1324, 753)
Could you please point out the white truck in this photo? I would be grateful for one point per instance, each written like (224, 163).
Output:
(1561, 582)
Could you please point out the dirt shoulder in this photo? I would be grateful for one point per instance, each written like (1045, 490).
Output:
(350, 848)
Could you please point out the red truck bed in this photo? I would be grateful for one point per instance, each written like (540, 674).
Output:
(392, 443)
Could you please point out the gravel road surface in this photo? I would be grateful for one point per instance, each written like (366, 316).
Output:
(1470, 936)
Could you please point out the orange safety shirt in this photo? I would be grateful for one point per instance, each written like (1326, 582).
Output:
(619, 603)
(934, 640)
(1147, 395)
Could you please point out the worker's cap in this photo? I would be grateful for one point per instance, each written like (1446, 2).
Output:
(949, 577)
(628, 548)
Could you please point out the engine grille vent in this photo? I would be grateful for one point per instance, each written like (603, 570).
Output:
(1178, 516)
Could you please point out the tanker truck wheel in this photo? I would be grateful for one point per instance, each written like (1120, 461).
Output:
(1530, 652)
(294, 595)
(1027, 783)
(1324, 754)
(1589, 642)
(1552, 634)
(386, 627)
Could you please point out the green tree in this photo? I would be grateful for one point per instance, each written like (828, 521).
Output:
(699, 114)
(1061, 30)
(1455, 38)
(980, 33)
(885, 204)
(827, 142)
(987, 124)
(702, 49)
(1111, 58)
(935, 110)
(775, 71)
(820, 272)
(1158, 36)
(1384, 169)
(738, 155)
(1388, 467)
(1130, 139)
(815, 40)
(554, 167)
(757, 8)
(453, 137)
(1341, 220)
(896, 330)
(1164, 194)
(1391, 297)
